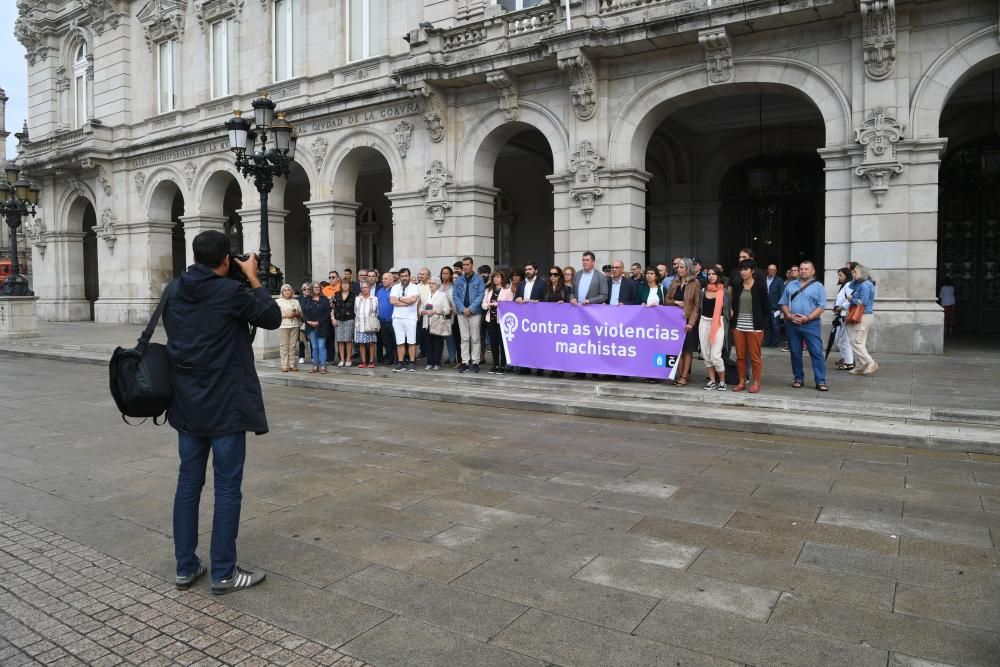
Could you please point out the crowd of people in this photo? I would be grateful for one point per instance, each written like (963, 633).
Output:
(396, 318)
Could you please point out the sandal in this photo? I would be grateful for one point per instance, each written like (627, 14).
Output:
(681, 381)
(755, 389)
(822, 387)
(740, 386)
(797, 384)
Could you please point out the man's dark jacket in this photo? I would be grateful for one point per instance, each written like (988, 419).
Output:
(216, 390)
(628, 292)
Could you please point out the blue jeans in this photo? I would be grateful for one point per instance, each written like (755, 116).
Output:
(228, 455)
(317, 344)
(812, 334)
(772, 332)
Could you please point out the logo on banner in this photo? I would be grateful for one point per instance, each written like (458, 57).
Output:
(664, 360)
(510, 324)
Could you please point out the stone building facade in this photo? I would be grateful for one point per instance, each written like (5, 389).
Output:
(522, 130)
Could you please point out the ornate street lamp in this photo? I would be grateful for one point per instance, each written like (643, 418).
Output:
(262, 162)
(18, 198)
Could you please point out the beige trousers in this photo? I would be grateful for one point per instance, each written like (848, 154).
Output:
(288, 347)
(858, 335)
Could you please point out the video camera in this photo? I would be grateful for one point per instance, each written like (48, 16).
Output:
(272, 281)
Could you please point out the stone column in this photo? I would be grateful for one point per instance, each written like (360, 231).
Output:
(841, 182)
(897, 241)
(465, 230)
(61, 299)
(333, 232)
(194, 225)
(275, 230)
(564, 208)
(616, 227)
(147, 247)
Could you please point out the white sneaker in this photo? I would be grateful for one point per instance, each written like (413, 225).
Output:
(302, 360)
(872, 367)
(341, 364)
(710, 385)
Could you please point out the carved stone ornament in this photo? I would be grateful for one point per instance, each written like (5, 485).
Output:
(507, 92)
(403, 134)
(433, 110)
(35, 229)
(878, 26)
(319, 146)
(104, 14)
(190, 169)
(436, 203)
(28, 31)
(102, 178)
(162, 19)
(140, 182)
(62, 80)
(584, 165)
(581, 75)
(718, 54)
(106, 230)
(209, 11)
(879, 135)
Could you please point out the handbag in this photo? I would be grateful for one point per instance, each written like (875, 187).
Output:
(854, 313)
(140, 377)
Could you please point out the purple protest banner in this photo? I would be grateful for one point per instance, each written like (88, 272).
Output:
(610, 340)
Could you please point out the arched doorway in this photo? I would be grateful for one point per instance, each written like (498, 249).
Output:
(298, 235)
(178, 248)
(231, 203)
(739, 169)
(969, 203)
(374, 220)
(775, 207)
(523, 227)
(91, 273)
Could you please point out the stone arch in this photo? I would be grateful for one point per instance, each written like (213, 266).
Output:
(644, 112)
(157, 201)
(966, 58)
(211, 182)
(70, 203)
(481, 145)
(73, 38)
(342, 168)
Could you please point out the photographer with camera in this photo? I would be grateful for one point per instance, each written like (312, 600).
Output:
(217, 399)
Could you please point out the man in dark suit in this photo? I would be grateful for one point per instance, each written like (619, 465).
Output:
(775, 288)
(355, 285)
(532, 287)
(621, 290)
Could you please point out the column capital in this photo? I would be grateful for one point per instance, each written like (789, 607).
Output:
(474, 189)
(64, 237)
(332, 207)
(274, 215)
(148, 227)
(204, 220)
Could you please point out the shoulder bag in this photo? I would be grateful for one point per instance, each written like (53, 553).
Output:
(140, 377)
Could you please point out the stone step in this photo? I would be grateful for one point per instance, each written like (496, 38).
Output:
(658, 404)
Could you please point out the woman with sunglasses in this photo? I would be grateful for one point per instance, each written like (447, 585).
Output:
(556, 290)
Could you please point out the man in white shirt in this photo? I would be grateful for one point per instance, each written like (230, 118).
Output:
(404, 298)
(531, 288)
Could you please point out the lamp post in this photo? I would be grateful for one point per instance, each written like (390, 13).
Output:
(18, 198)
(256, 159)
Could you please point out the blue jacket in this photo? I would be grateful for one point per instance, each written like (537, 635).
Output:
(774, 292)
(863, 295)
(476, 292)
(207, 318)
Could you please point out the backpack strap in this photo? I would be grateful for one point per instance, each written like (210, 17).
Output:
(147, 333)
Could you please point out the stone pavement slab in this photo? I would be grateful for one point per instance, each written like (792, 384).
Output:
(438, 534)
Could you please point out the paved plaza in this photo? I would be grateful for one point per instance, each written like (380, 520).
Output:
(404, 532)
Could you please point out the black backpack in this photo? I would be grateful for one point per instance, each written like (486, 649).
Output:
(141, 377)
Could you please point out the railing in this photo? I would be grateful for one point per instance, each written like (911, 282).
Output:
(61, 142)
(469, 36)
(530, 20)
(608, 6)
